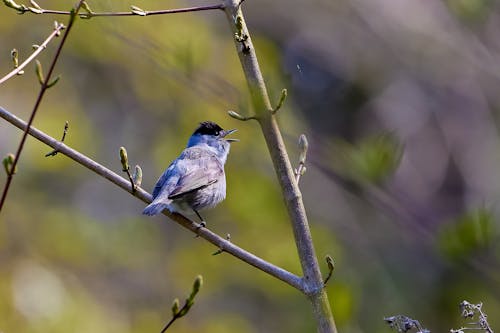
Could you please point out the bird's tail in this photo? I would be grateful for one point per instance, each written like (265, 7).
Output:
(154, 208)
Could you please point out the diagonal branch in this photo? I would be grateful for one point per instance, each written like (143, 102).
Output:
(144, 196)
(38, 50)
(43, 89)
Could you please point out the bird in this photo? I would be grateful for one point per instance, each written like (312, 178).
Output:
(196, 179)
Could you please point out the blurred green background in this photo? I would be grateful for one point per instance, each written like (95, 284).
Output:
(399, 100)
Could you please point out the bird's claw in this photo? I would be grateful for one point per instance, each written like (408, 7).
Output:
(202, 224)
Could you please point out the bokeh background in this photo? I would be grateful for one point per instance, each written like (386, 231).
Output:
(400, 102)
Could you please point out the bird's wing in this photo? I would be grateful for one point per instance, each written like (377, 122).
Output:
(165, 181)
(201, 169)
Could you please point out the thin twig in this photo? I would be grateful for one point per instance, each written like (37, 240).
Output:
(54, 152)
(43, 89)
(39, 49)
(229, 247)
(132, 184)
(131, 13)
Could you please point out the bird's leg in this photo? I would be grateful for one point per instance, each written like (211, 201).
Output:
(203, 224)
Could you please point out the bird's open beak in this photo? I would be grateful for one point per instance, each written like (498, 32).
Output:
(226, 133)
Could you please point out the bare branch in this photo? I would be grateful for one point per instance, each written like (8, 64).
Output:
(205, 233)
(134, 12)
(38, 50)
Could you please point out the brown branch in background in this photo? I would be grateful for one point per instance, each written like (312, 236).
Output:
(43, 89)
(39, 48)
(219, 242)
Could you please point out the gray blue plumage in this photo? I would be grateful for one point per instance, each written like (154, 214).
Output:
(196, 179)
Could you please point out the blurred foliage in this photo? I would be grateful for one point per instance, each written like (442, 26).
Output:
(398, 99)
(372, 160)
(468, 235)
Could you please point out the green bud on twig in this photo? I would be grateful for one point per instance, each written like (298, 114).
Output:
(36, 10)
(198, 282)
(59, 26)
(20, 8)
(137, 176)
(138, 11)
(284, 94)
(88, 12)
(124, 159)
(236, 115)
(39, 72)
(53, 83)
(175, 307)
(8, 162)
(14, 54)
(331, 266)
(304, 146)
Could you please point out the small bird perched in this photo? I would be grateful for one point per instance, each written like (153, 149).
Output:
(196, 179)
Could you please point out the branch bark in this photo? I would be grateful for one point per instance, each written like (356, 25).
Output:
(144, 196)
(313, 281)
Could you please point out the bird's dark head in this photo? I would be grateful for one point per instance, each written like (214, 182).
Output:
(214, 136)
